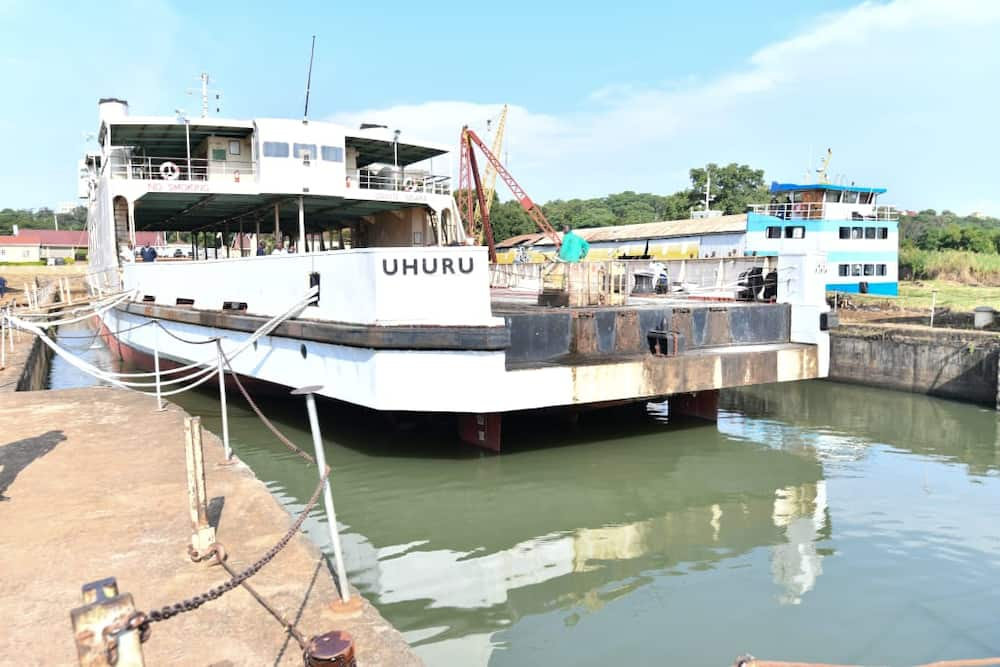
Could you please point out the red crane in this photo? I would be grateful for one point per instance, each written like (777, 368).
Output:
(468, 176)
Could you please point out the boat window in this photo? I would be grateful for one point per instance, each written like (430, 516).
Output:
(869, 269)
(832, 197)
(865, 198)
(880, 270)
(774, 232)
(855, 269)
(332, 153)
(845, 232)
(275, 149)
(219, 154)
(844, 269)
(304, 151)
(796, 232)
(234, 147)
(856, 232)
(850, 198)
(883, 232)
(869, 232)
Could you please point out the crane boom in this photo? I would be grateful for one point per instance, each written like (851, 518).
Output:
(490, 176)
(469, 137)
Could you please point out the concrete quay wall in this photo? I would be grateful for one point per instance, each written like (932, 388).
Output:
(949, 363)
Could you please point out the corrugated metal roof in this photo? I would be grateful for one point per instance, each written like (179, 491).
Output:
(725, 224)
(20, 239)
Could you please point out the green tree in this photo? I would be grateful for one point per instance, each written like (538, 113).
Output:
(734, 187)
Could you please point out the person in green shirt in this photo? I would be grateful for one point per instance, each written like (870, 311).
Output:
(574, 247)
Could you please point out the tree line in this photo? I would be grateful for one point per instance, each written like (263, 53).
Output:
(930, 230)
(41, 218)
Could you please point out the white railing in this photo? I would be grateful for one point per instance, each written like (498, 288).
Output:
(402, 182)
(180, 169)
(827, 211)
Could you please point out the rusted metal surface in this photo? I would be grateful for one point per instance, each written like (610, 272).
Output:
(202, 534)
(338, 333)
(101, 630)
(333, 648)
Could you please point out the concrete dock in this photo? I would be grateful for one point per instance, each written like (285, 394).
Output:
(93, 485)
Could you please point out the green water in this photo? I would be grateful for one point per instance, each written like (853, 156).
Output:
(814, 521)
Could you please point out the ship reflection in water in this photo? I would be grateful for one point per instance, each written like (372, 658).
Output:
(815, 521)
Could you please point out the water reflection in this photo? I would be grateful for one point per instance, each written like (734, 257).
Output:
(815, 521)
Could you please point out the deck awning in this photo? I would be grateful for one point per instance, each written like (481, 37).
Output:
(160, 139)
(171, 212)
(371, 150)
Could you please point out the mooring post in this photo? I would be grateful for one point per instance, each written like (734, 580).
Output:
(331, 514)
(103, 610)
(224, 407)
(156, 364)
(3, 341)
(202, 534)
(933, 305)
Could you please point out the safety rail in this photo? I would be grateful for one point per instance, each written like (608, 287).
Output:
(827, 211)
(180, 169)
(402, 182)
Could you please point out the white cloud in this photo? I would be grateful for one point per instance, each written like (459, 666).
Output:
(883, 83)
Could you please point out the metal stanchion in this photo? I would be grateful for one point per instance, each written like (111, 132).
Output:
(331, 514)
(224, 407)
(3, 342)
(156, 365)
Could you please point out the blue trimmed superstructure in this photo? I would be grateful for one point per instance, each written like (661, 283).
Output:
(860, 238)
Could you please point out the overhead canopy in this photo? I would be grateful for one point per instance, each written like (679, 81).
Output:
(197, 211)
(166, 140)
(387, 152)
(792, 187)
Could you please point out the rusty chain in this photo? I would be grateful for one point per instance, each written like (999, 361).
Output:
(141, 621)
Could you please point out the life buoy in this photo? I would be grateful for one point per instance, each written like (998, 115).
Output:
(236, 176)
(169, 171)
(409, 185)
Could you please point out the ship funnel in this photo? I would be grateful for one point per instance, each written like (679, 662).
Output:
(111, 108)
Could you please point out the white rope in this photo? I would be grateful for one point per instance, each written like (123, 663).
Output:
(207, 369)
(100, 310)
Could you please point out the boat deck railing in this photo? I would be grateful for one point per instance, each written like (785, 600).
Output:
(827, 211)
(401, 182)
(180, 169)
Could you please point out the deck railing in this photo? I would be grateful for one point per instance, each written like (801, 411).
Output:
(180, 169)
(402, 182)
(827, 211)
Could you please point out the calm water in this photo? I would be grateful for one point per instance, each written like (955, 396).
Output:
(815, 521)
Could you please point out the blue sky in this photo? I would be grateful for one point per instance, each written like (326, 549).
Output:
(605, 97)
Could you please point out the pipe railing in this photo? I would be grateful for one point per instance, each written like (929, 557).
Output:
(827, 211)
(402, 182)
(176, 169)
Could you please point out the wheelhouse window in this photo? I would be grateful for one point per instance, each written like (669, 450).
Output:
(857, 232)
(869, 269)
(845, 232)
(304, 151)
(332, 153)
(883, 232)
(869, 232)
(275, 149)
(774, 232)
(795, 232)
(844, 270)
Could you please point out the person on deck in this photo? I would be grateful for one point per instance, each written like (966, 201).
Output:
(279, 249)
(127, 254)
(574, 247)
(148, 253)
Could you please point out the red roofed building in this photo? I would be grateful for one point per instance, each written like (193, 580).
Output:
(20, 248)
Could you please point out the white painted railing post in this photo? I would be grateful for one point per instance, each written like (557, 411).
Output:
(3, 341)
(156, 365)
(224, 407)
(331, 514)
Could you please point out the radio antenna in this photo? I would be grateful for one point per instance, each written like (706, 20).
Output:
(312, 50)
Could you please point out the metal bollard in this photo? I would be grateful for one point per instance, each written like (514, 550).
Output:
(333, 648)
(102, 608)
(331, 514)
(224, 407)
(202, 534)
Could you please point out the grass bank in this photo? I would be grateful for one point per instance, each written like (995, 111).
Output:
(955, 265)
